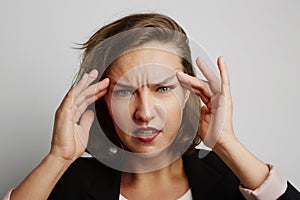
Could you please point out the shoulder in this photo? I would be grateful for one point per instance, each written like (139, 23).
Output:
(209, 176)
(82, 177)
(205, 161)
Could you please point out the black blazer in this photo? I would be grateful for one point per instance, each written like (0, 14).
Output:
(209, 178)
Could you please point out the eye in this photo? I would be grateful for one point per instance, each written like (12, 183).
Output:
(164, 89)
(122, 93)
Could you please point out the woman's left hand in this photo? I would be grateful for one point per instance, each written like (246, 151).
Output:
(216, 115)
(216, 124)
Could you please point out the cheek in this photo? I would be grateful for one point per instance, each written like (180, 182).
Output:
(173, 109)
(115, 109)
(121, 117)
(121, 113)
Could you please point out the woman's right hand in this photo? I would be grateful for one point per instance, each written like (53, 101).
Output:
(72, 119)
(70, 137)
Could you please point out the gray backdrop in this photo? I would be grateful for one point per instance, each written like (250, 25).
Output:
(259, 40)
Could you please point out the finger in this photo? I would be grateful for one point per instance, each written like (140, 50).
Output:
(78, 87)
(67, 100)
(204, 99)
(224, 76)
(85, 81)
(101, 90)
(205, 115)
(80, 109)
(213, 80)
(85, 123)
(65, 109)
(91, 91)
(193, 84)
(204, 121)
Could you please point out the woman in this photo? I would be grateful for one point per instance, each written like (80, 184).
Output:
(144, 102)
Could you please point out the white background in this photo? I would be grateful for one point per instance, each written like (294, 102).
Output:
(259, 40)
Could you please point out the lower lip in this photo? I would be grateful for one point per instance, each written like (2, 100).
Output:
(148, 138)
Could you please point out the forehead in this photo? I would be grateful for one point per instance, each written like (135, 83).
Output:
(144, 56)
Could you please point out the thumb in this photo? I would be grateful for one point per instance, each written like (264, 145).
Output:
(86, 121)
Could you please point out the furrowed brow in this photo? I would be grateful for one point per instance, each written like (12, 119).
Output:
(166, 80)
(124, 85)
(121, 85)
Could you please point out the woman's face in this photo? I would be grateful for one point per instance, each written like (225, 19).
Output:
(145, 99)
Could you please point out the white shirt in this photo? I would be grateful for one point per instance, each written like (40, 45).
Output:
(186, 196)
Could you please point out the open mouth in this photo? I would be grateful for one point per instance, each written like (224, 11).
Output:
(147, 134)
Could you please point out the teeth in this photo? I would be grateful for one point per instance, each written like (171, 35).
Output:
(146, 133)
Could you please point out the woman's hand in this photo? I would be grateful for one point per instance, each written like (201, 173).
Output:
(73, 121)
(216, 124)
(216, 115)
(70, 137)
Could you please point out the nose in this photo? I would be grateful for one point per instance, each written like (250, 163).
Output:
(144, 111)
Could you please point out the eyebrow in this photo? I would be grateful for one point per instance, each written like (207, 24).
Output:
(166, 80)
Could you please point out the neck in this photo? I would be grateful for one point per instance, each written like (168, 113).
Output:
(175, 169)
(170, 181)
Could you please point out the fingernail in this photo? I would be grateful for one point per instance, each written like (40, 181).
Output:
(106, 80)
(181, 75)
(222, 60)
(93, 74)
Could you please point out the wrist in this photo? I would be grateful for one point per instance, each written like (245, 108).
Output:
(59, 160)
(226, 143)
(250, 170)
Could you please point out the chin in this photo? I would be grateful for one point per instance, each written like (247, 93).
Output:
(149, 149)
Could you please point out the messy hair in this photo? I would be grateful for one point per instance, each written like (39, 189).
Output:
(99, 51)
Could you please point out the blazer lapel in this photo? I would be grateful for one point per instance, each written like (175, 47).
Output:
(107, 187)
(202, 174)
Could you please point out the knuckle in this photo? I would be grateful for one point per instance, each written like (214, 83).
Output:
(69, 94)
(62, 112)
